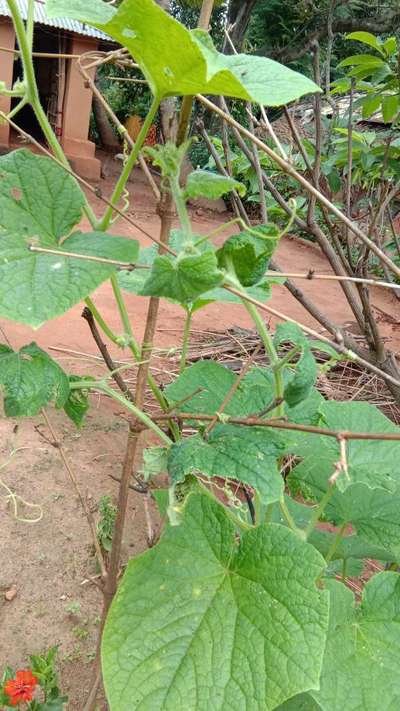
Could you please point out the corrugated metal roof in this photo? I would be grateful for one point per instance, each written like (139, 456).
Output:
(62, 23)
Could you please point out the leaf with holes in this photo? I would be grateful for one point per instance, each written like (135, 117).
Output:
(362, 656)
(39, 205)
(179, 62)
(30, 379)
(246, 454)
(178, 632)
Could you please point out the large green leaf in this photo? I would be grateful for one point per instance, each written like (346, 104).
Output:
(38, 199)
(36, 287)
(40, 204)
(247, 454)
(362, 657)
(204, 622)
(214, 381)
(371, 462)
(30, 380)
(177, 61)
(183, 279)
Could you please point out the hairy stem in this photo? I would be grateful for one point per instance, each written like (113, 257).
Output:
(319, 510)
(185, 343)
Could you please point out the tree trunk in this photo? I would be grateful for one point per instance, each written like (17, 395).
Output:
(239, 13)
(108, 138)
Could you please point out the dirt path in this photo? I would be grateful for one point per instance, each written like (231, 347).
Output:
(49, 562)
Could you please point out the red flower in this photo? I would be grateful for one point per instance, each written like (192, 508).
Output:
(21, 688)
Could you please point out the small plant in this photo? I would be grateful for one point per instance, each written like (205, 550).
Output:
(36, 688)
(106, 523)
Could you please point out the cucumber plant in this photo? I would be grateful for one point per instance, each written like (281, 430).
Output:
(233, 608)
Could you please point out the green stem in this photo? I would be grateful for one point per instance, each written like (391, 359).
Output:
(287, 358)
(129, 165)
(181, 209)
(288, 516)
(235, 520)
(186, 337)
(17, 108)
(30, 23)
(103, 325)
(145, 419)
(336, 543)
(133, 344)
(273, 356)
(32, 95)
(318, 510)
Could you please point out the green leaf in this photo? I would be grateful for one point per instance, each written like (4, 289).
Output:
(30, 380)
(371, 462)
(370, 104)
(77, 404)
(38, 199)
(183, 278)
(155, 461)
(304, 379)
(390, 107)
(134, 280)
(390, 46)
(248, 254)
(334, 180)
(366, 38)
(246, 454)
(39, 204)
(179, 628)
(179, 62)
(361, 59)
(214, 381)
(303, 702)
(202, 183)
(362, 654)
(374, 513)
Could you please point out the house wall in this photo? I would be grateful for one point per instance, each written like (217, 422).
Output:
(7, 40)
(76, 114)
(76, 107)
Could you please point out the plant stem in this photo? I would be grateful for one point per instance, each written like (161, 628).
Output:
(130, 164)
(273, 356)
(104, 388)
(288, 516)
(287, 358)
(318, 510)
(186, 337)
(336, 543)
(98, 317)
(32, 93)
(133, 344)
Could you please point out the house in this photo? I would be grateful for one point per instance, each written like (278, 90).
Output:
(64, 96)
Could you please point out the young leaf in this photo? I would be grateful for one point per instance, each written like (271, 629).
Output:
(305, 376)
(39, 205)
(246, 454)
(77, 404)
(361, 59)
(30, 380)
(184, 278)
(367, 38)
(202, 183)
(363, 650)
(198, 592)
(248, 254)
(179, 62)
